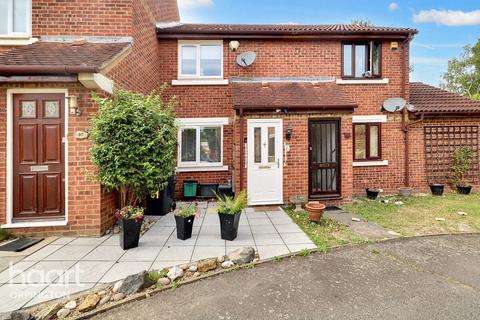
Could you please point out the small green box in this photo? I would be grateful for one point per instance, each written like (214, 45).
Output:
(190, 188)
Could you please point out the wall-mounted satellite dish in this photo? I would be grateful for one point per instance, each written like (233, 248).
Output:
(245, 59)
(394, 104)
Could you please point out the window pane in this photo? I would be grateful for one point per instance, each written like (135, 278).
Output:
(360, 61)
(376, 59)
(189, 145)
(347, 60)
(210, 144)
(374, 147)
(189, 60)
(3, 17)
(271, 144)
(20, 12)
(360, 142)
(257, 145)
(210, 61)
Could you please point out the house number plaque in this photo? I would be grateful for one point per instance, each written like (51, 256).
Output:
(80, 135)
(38, 168)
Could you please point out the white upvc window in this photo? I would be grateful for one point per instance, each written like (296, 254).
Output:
(15, 18)
(200, 59)
(200, 143)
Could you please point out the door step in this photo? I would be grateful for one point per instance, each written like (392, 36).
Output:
(19, 245)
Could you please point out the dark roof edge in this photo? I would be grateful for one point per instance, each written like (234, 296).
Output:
(47, 69)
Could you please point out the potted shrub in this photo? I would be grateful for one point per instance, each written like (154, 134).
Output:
(134, 142)
(437, 189)
(373, 193)
(315, 210)
(130, 220)
(229, 212)
(184, 218)
(460, 167)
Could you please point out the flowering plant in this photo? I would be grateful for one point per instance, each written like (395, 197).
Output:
(129, 213)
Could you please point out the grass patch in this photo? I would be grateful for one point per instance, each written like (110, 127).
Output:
(5, 235)
(418, 214)
(327, 233)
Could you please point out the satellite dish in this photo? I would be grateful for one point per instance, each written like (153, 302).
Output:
(394, 104)
(245, 59)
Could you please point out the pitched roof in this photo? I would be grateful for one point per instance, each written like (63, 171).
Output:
(167, 30)
(431, 100)
(71, 57)
(294, 95)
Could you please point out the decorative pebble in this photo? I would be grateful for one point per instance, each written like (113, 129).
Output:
(71, 305)
(196, 274)
(184, 267)
(105, 299)
(227, 264)
(220, 259)
(102, 293)
(118, 296)
(117, 286)
(164, 281)
(63, 313)
(193, 268)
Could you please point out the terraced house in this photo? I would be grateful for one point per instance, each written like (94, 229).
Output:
(322, 111)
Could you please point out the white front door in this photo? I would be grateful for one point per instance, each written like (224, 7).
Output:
(265, 161)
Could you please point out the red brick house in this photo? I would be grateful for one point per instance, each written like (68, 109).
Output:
(305, 118)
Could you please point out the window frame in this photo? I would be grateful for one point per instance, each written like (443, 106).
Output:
(367, 141)
(199, 124)
(10, 23)
(197, 44)
(369, 62)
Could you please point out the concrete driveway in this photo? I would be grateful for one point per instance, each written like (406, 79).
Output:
(421, 278)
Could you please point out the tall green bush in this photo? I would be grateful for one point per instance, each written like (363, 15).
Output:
(460, 166)
(134, 139)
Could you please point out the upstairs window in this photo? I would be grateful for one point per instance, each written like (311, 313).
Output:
(361, 60)
(200, 59)
(367, 143)
(15, 17)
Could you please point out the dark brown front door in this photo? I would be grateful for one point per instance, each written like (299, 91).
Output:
(324, 158)
(38, 156)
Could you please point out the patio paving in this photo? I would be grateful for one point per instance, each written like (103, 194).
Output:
(69, 265)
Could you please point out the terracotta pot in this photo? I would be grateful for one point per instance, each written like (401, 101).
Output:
(315, 210)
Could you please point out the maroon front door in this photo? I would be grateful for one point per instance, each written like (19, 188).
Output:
(38, 157)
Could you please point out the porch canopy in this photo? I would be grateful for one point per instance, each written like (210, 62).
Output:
(306, 96)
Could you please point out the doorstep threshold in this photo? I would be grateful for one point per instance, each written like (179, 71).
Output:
(34, 224)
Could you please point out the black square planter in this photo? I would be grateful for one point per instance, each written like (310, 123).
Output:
(229, 225)
(129, 233)
(184, 227)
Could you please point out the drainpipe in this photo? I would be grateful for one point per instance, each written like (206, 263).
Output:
(241, 145)
(405, 126)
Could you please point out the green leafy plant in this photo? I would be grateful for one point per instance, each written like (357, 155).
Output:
(304, 252)
(227, 205)
(460, 166)
(134, 143)
(185, 212)
(129, 213)
(5, 235)
(375, 250)
(155, 275)
(277, 259)
(251, 265)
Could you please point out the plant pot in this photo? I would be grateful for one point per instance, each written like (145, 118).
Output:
(437, 189)
(463, 189)
(315, 210)
(372, 194)
(229, 225)
(184, 227)
(129, 233)
(163, 202)
(405, 192)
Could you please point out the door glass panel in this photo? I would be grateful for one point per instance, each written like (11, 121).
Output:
(52, 109)
(189, 60)
(20, 12)
(257, 145)
(189, 145)
(28, 109)
(360, 142)
(360, 61)
(271, 144)
(374, 142)
(210, 144)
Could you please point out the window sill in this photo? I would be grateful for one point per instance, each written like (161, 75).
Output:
(370, 163)
(16, 41)
(363, 81)
(200, 82)
(202, 169)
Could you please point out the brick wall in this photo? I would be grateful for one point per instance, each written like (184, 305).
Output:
(302, 58)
